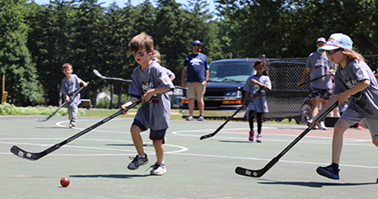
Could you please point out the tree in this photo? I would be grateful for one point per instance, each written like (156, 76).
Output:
(15, 59)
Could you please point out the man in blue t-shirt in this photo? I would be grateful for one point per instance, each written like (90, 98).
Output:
(196, 73)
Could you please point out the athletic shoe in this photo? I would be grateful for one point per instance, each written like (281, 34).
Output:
(258, 138)
(72, 124)
(190, 118)
(251, 135)
(322, 126)
(360, 128)
(158, 169)
(200, 118)
(328, 172)
(308, 122)
(137, 161)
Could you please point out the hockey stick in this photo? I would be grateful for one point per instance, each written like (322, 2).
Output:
(52, 114)
(109, 78)
(35, 156)
(96, 72)
(312, 80)
(232, 116)
(261, 172)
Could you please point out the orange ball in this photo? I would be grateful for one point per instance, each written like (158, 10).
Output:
(65, 182)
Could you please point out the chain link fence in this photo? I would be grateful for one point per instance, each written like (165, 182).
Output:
(286, 100)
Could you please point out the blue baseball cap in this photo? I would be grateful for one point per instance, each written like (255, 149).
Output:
(196, 42)
(337, 40)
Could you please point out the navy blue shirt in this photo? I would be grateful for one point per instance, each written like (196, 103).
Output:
(197, 65)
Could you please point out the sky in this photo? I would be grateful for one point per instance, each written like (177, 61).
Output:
(121, 3)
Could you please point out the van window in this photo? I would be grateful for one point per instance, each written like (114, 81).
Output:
(232, 71)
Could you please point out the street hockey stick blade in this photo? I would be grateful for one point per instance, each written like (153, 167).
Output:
(261, 172)
(256, 173)
(35, 156)
(232, 116)
(24, 154)
(96, 72)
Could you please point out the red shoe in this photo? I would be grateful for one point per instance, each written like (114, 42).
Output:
(251, 135)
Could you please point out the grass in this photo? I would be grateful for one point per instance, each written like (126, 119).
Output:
(9, 109)
(175, 114)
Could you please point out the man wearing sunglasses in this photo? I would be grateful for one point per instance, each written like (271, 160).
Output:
(320, 90)
(196, 73)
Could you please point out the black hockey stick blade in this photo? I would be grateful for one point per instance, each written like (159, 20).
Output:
(261, 172)
(52, 114)
(96, 72)
(232, 116)
(35, 156)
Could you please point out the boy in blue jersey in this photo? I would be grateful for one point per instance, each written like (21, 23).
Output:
(150, 82)
(196, 73)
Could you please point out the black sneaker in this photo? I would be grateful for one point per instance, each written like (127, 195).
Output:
(329, 172)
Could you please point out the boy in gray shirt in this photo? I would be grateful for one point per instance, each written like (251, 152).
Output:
(71, 84)
(149, 82)
(320, 90)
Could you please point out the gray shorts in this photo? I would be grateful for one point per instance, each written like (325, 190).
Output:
(352, 117)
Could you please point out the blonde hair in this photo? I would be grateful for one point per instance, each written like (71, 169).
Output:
(155, 54)
(140, 41)
(67, 65)
(353, 55)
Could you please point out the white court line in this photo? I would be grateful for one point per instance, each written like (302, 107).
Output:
(263, 159)
(324, 141)
(181, 148)
(60, 124)
(179, 152)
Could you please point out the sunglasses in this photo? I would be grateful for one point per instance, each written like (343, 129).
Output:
(198, 45)
(141, 54)
(155, 59)
(331, 52)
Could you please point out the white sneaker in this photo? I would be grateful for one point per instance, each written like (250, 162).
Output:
(200, 118)
(190, 118)
(137, 161)
(322, 126)
(72, 124)
(158, 169)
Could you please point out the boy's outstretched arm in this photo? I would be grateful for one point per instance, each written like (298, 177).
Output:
(85, 84)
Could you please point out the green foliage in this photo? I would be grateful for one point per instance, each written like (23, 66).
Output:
(15, 59)
(10, 109)
(105, 102)
(36, 40)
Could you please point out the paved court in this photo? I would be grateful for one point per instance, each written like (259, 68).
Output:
(96, 162)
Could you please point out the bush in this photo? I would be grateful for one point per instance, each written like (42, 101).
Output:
(105, 102)
(10, 109)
